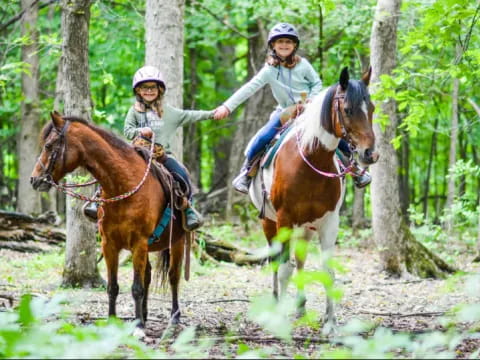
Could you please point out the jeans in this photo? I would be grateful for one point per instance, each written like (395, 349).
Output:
(175, 167)
(264, 135)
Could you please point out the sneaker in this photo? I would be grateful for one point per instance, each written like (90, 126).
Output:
(192, 219)
(242, 183)
(90, 211)
(362, 180)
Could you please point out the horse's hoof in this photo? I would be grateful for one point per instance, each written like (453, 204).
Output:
(330, 329)
(139, 333)
(175, 320)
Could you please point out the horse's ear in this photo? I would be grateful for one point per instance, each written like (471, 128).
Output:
(366, 76)
(344, 77)
(57, 119)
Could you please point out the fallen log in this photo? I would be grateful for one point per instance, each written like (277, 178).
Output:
(25, 233)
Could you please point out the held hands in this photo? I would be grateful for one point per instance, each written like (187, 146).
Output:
(221, 112)
(146, 132)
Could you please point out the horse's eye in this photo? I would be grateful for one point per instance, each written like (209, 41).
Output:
(48, 146)
(348, 112)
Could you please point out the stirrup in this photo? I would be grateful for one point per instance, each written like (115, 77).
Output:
(90, 210)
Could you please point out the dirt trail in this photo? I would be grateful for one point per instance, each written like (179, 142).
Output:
(216, 300)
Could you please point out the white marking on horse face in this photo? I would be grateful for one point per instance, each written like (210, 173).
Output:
(364, 108)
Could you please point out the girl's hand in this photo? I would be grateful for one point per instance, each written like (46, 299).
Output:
(221, 112)
(146, 132)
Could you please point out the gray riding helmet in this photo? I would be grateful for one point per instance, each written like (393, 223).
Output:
(148, 73)
(284, 30)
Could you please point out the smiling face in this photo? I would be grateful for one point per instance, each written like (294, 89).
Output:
(148, 91)
(284, 47)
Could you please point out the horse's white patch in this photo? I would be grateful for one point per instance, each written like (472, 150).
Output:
(310, 128)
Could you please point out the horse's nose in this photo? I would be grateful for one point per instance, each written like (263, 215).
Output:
(370, 156)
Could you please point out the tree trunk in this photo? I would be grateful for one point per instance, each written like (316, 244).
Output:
(399, 251)
(433, 150)
(404, 176)
(358, 209)
(192, 138)
(452, 155)
(164, 50)
(257, 109)
(80, 253)
(28, 200)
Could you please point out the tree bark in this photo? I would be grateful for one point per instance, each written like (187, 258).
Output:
(257, 109)
(399, 251)
(80, 253)
(28, 200)
(164, 50)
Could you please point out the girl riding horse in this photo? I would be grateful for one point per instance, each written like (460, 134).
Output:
(150, 115)
(288, 75)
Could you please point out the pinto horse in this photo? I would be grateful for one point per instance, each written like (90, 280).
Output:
(69, 143)
(304, 187)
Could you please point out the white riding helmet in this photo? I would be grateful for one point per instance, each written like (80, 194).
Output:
(148, 73)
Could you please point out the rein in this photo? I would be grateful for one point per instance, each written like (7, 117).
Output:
(347, 170)
(65, 188)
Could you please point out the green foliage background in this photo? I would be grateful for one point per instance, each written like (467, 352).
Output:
(422, 83)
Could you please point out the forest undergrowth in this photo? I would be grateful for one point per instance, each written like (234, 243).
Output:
(228, 310)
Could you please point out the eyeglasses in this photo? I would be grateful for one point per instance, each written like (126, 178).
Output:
(148, 87)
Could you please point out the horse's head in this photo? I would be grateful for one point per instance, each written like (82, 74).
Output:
(352, 114)
(52, 163)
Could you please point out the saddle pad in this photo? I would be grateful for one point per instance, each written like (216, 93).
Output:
(267, 159)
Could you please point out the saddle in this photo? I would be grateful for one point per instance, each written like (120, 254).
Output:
(176, 190)
(263, 158)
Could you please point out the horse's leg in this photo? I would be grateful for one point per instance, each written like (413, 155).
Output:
(174, 274)
(148, 280)
(285, 269)
(300, 260)
(270, 230)
(111, 259)
(139, 258)
(327, 236)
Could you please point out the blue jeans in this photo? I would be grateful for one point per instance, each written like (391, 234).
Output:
(264, 135)
(174, 166)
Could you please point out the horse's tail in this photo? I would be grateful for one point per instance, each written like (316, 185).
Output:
(163, 264)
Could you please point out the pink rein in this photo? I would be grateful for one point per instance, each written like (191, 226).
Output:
(347, 170)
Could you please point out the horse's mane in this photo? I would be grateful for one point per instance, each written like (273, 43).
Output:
(314, 132)
(108, 136)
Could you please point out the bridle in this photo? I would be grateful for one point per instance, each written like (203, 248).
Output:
(60, 147)
(338, 122)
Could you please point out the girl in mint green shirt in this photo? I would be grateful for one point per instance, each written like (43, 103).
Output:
(289, 77)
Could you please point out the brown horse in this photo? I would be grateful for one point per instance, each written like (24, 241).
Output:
(69, 143)
(303, 187)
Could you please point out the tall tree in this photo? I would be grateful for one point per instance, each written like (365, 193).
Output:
(452, 154)
(398, 248)
(28, 200)
(80, 254)
(164, 50)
